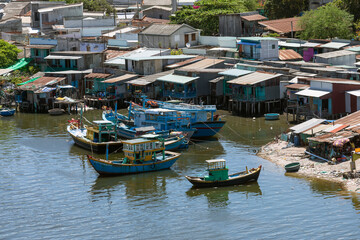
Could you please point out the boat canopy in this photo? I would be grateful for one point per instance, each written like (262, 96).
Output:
(216, 163)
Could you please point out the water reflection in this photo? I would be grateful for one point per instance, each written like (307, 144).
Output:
(152, 183)
(219, 197)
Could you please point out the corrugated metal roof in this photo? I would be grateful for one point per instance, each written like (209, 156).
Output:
(167, 57)
(62, 57)
(120, 78)
(335, 128)
(115, 61)
(216, 80)
(310, 44)
(177, 79)
(335, 54)
(183, 63)
(331, 137)
(163, 29)
(312, 93)
(254, 17)
(351, 120)
(206, 63)
(152, 78)
(354, 93)
(334, 45)
(235, 72)
(139, 82)
(97, 75)
(289, 44)
(289, 54)
(316, 129)
(41, 82)
(281, 26)
(335, 80)
(307, 125)
(297, 86)
(254, 78)
(354, 49)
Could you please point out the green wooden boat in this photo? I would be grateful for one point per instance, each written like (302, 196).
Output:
(292, 167)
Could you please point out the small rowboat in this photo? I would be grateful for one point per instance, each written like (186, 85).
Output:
(218, 176)
(272, 116)
(292, 167)
(6, 112)
(56, 111)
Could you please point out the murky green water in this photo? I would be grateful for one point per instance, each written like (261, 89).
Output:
(48, 190)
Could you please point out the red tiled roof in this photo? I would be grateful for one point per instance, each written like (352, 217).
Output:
(97, 75)
(282, 25)
(255, 17)
(289, 54)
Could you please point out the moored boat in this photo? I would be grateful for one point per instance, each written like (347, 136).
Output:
(218, 175)
(56, 111)
(272, 116)
(96, 138)
(6, 112)
(292, 167)
(141, 155)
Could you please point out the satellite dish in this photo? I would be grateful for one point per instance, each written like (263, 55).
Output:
(188, 45)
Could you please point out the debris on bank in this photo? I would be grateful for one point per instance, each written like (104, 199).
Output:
(282, 153)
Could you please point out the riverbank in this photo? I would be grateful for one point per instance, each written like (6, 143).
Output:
(279, 153)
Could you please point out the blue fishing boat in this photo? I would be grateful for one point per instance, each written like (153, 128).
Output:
(199, 119)
(97, 137)
(197, 116)
(171, 141)
(6, 112)
(272, 116)
(141, 155)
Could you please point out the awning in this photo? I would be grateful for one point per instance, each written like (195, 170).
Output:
(45, 90)
(138, 82)
(63, 57)
(247, 43)
(307, 125)
(172, 78)
(312, 93)
(355, 93)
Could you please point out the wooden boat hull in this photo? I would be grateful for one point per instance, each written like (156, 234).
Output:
(7, 112)
(94, 146)
(234, 179)
(292, 167)
(272, 116)
(56, 111)
(105, 167)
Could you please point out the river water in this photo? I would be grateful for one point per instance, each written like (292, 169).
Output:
(48, 190)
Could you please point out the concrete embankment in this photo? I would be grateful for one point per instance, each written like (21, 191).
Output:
(281, 154)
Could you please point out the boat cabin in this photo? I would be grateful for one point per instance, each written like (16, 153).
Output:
(101, 131)
(141, 149)
(217, 170)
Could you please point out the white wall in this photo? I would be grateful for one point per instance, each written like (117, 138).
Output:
(229, 42)
(325, 86)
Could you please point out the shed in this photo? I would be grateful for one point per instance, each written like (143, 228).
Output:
(341, 57)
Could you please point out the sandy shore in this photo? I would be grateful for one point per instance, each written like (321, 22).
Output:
(278, 153)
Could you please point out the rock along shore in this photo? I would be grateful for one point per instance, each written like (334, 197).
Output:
(279, 153)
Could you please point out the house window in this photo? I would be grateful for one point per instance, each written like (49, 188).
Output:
(273, 46)
(67, 63)
(36, 52)
(57, 62)
(193, 37)
(160, 16)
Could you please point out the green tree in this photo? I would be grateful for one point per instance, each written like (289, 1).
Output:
(325, 22)
(275, 9)
(351, 6)
(8, 54)
(205, 15)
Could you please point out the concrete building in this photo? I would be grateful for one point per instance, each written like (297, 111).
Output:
(11, 25)
(169, 36)
(158, 12)
(55, 15)
(36, 6)
(88, 26)
(341, 57)
(240, 24)
(259, 48)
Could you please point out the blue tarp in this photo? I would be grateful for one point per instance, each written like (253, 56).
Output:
(247, 43)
